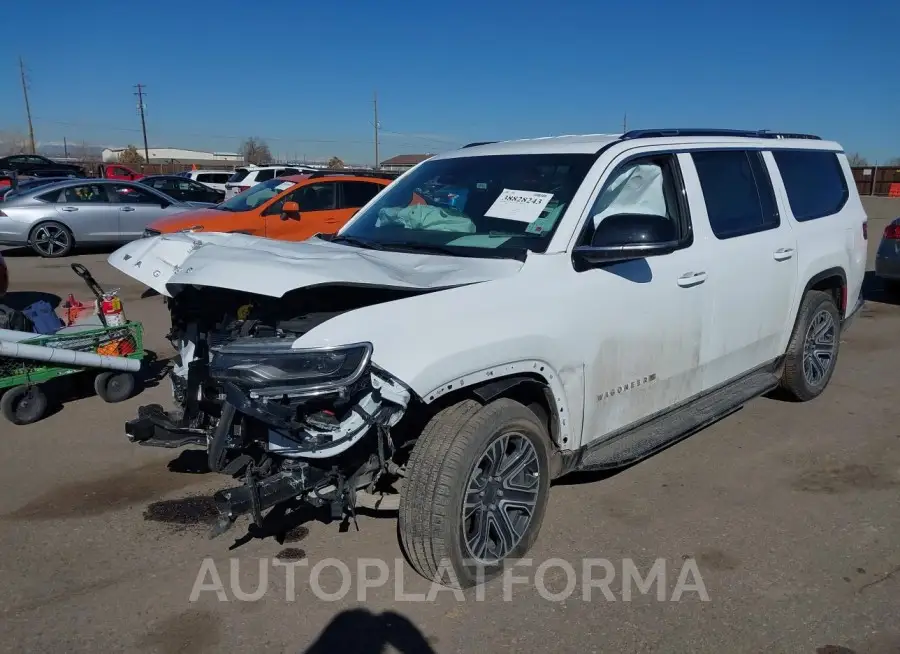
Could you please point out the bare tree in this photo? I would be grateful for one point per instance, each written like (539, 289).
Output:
(335, 162)
(856, 160)
(894, 162)
(12, 143)
(130, 155)
(255, 151)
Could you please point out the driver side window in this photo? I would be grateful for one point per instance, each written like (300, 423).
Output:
(312, 197)
(648, 185)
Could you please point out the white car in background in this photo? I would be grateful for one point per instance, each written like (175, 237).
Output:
(212, 178)
(246, 177)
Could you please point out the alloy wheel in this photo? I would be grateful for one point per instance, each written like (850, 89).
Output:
(501, 498)
(50, 240)
(819, 348)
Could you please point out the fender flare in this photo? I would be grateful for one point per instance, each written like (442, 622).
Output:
(506, 376)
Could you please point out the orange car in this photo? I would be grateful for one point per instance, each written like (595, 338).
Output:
(289, 208)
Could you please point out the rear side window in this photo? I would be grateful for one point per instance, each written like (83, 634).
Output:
(212, 178)
(357, 194)
(238, 176)
(738, 192)
(265, 175)
(814, 181)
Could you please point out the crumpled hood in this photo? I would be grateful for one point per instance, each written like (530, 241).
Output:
(269, 267)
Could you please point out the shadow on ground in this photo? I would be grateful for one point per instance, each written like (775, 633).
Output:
(21, 252)
(359, 631)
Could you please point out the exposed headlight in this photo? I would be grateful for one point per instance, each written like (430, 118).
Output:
(271, 363)
(148, 233)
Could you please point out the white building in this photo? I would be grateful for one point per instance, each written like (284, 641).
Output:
(178, 155)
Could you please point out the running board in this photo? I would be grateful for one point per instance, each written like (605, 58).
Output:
(639, 442)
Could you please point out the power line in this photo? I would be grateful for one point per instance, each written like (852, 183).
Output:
(140, 95)
(27, 105)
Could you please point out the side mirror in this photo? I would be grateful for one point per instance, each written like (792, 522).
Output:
(627, 236)
(290, 210)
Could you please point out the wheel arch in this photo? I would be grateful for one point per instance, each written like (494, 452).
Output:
(831, 280)
(529, 382)
(44, 221)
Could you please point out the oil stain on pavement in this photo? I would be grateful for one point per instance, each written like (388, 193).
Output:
(844, 478)
(182, 513)
(103, 495)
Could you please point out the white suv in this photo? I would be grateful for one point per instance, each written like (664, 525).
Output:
(213, 178)
(246, 177)
(502, 315)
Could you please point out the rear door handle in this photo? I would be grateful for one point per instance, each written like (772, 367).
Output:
(70, 208)
(127, 208)
(783, 254)
(691, 279)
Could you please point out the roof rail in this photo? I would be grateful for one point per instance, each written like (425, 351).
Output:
(747, 133)
(472, 145)
(352, 173)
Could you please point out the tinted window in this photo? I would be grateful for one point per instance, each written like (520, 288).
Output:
(357, 194)
(128, 194)
(738, 193)
(265, 175)
(238, 176)
(316, 197)
(290, 171)
(814, 181)
(213, 178)
(93, 193)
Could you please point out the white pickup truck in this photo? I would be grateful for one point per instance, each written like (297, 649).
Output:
(502, 315)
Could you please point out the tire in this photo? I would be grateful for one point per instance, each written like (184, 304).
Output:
(445, 464)
(23, 405)
(802, 379)
(51, 240)
(114, 386)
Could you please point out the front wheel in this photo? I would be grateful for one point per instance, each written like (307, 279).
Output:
(812, 353)
(476, 491)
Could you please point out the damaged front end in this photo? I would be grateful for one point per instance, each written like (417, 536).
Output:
(307, 424)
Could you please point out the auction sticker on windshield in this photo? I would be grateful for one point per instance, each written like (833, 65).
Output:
(524, 206)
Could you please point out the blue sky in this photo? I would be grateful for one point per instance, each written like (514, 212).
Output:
(302, 74)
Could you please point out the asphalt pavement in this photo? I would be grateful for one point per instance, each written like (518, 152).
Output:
(775, 530)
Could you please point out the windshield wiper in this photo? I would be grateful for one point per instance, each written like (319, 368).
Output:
(358, 242)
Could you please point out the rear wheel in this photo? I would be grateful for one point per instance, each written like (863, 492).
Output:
(51, 240)
(114, 386)
(813, 349)
(476, 491)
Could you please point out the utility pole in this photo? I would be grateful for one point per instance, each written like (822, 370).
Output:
(140, 95)
(65, 148)
(624, 123)
(375, 105)
(27, 105)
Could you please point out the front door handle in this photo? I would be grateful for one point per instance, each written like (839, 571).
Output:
(691, 279)
(127, 208)
(783, 254)
(70, 208)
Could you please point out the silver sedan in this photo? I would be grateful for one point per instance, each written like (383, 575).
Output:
(53, 219)
(887, 259)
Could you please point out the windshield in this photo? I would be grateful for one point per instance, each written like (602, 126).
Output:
(497, 206)
(256, 195)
